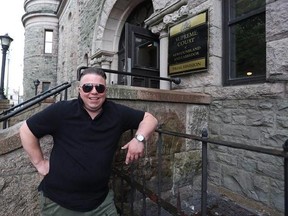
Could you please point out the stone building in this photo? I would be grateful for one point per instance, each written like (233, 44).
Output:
(233, 50)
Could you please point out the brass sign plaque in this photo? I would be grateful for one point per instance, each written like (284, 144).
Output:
(188, 45)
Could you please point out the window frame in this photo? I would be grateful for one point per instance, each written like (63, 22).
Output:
(228, 23)
(46, 42)
(46, 86)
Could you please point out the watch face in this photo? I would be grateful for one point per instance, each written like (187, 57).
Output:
(140, 137)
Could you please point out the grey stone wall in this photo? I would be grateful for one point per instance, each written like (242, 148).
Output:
(45, 5)
(77, 23)
(277, 40)
(37, 64)
(250, 114)
(256, 123)
(255, 115)
(69, 37)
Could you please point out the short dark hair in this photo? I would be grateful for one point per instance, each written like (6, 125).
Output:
(90, 70)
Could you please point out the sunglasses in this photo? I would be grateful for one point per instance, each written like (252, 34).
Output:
(87, 87)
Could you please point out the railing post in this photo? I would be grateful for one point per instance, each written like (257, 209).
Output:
(285, 148)
(5, 124)
(159, 170)
(143, 195)
(65, 94)
(145, 168)
(132, 184)
(132, 190)
(204, 174)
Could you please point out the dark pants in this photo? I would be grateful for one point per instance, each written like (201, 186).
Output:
(50, 208)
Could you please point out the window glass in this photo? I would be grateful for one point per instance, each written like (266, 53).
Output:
(245, 42)
(250, 48)
(146, 52)
(45, 86)
(246, 6)
(48, 41)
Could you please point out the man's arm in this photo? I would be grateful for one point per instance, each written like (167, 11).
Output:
(31, 145)
(146, 128)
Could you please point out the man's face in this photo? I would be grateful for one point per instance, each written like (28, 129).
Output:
(93, 100)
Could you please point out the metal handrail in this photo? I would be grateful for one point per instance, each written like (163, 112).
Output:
(176, 210)
(32, 101)
(269, 151)
(175, 80)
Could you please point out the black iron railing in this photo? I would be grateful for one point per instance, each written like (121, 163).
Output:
(175, 80)
(6, 114)
(155, 196)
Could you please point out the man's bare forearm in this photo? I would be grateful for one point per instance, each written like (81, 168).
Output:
(31, 145)
(147, 126)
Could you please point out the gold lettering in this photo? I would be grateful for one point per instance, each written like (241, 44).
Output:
(193, 54)
(186, 36)
(185, 42)
(187, 51)
(191, 65)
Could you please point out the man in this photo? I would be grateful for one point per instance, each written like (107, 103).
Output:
(86, 132)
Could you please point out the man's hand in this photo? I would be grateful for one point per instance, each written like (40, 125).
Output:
(42, 167)
(135, 150)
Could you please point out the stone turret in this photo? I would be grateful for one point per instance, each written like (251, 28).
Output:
(41, 45)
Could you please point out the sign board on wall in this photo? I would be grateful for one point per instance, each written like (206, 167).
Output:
(188, 45)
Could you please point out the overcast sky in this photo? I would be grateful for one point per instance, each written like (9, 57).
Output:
(10, 22)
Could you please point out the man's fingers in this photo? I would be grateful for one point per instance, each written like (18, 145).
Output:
(131, 158)
(125, 146)
(127, 160)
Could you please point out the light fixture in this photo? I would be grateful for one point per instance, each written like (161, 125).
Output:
(249, 73)
(5, 43)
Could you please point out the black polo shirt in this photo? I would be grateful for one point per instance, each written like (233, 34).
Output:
(83, 150)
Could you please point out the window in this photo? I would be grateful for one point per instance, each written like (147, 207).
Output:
(244, 42)
(146, 52)
(45, 86)
(48, 41)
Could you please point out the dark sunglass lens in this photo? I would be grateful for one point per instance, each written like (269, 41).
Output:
(87, 88)
(100, 88)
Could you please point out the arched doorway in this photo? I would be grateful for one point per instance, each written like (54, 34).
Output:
(138, 50)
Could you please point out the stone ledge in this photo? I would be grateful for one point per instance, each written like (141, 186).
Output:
(158, 95)
(4, 104)
(10, 139)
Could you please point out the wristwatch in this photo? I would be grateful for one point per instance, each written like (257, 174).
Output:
(140, 138)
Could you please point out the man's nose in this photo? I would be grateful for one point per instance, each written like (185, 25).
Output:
(94, 91)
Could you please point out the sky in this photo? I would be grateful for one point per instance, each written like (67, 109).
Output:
(10, 22)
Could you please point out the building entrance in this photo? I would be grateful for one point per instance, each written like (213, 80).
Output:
(138, 50)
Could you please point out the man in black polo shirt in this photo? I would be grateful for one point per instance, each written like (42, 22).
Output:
(86, 132)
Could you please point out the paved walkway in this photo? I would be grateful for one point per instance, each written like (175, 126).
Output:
(216, 206)
(221, 207)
